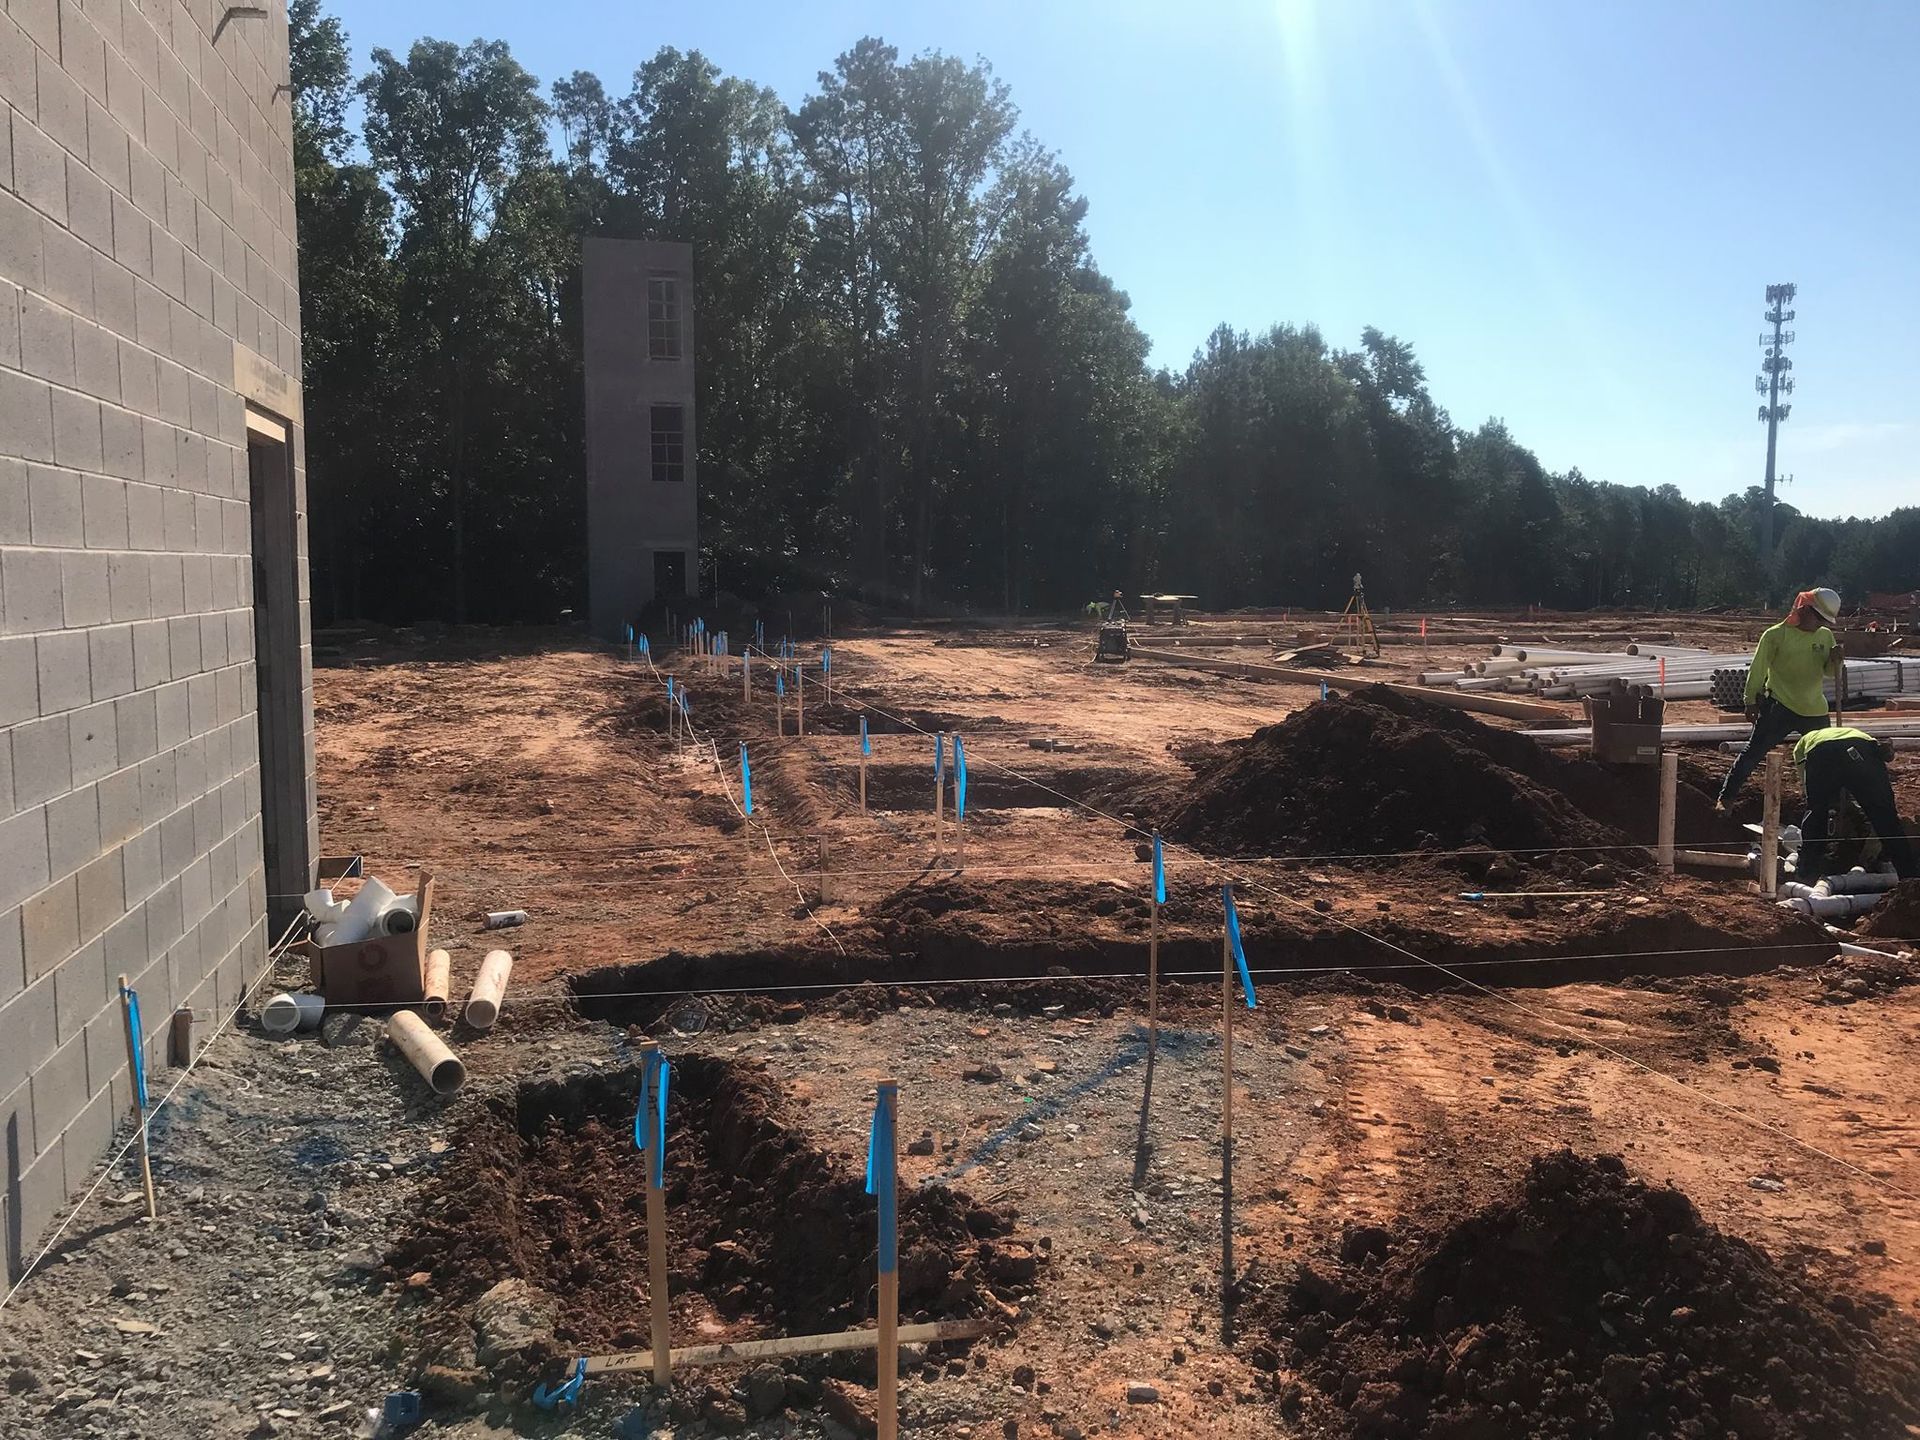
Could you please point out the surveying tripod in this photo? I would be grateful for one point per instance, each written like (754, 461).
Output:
(1364, 635)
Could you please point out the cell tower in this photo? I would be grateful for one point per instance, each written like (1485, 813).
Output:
(1774, 381)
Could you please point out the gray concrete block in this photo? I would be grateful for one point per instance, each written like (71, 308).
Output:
(151, 663)
(39, 169)
(213, 641)
(50, 926)
(17, 84)
(23, 857)
(79, 990)
(39, 1195)
(26, 1033)
(104, 501)
(46, 339)
(126, 944)
(73, 831)
(107, 146)
(179, 524)
(12, 297)
(30, 590)
(87, 1139)
(113, 297)
(63, 671)
(96, 361)
(196, 891)
(16, 511)
(96, 742)
(137, 722)
(106, 1042)
(62, 104)
(19, 684)
(89, 205)
(13, 965)
(119, 798)
(146, 522)
(140, 865)
(110, 657)
(69, 269)
(129, 586)
(82, 50)
(158, 460)
(152, 328)
(120, 443)
(170, 703)
(60, 1089)
(76, 430)
(84, 588)
(26, 415)
(139, 377)
(196, 578)
(21, 253)
(183, 644)
(190, 768)
(103, 895)
(54, 496)
(42, 760)
(177, 847)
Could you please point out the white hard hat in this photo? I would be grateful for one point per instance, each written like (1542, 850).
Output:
(1827, 602)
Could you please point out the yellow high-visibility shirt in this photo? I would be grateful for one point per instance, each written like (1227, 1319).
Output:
(1789, 664)
(1806, 744)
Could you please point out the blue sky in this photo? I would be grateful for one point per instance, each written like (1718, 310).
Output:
(1570, 210)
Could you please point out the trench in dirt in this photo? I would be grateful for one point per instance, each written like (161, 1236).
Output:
(784, 983)
(766, 1230)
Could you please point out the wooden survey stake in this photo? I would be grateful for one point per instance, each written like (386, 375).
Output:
(799, 698)
(136, 1072)
(656, 1218)
(1226, 1136)
(886, 1162)
(1669, 791)
(1770, 829)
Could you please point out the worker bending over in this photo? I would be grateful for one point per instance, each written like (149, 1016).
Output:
(1837, 761)
(1784, 694)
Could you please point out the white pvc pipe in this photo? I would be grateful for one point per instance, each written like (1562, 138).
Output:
(322, 906)
(325, 935)
(483, 1005)
(285, 1013)
(439, 974)
(426, 1052)
(363, 912)
(1860, 882)
(1866, 952)
(1831, 907)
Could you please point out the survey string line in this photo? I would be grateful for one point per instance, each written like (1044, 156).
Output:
(1259, 888)
(274, 952)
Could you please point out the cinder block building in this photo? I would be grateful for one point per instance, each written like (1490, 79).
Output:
(156, 731)
(643, 496)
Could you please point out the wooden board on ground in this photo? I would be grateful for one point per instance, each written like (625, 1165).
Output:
(740, 1352)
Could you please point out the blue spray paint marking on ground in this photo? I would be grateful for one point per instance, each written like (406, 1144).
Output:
(1173, 1043)
(314, 1152)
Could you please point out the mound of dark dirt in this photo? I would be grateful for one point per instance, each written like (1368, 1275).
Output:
(1593, 1305)
(1897, 917)
(1376, 771)
(549, 1188)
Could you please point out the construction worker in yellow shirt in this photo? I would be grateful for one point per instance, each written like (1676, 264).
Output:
(1837, 761)
(1785, 693)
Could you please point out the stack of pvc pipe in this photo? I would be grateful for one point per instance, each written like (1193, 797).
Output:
(376, 910)
(1890, 675)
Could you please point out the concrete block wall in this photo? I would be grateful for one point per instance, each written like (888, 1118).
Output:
(146, 226)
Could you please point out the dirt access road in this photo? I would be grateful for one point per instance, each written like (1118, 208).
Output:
(1677, 1022)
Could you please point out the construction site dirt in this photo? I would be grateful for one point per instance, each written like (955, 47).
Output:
(1465, 955)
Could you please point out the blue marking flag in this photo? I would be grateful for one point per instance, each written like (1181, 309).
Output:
(866, 745)
(669, 692)
(1233, 940)
(629, 634)
(939, 757)
(1323, 689)
(646, 645)
(139, 1048)
(746, 777)
(566, 1393)
(699, 626)
(826, 662)
(650, 1120)
(1159, 872)
(780, 682)
(959, 779)
(880, 1142)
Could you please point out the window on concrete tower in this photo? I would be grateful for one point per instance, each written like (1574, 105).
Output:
(669, 442)
(663, 318)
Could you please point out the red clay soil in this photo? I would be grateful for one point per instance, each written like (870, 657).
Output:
(1592, 1305)
(767, 1229)
(1897, 917)
(1377, 772)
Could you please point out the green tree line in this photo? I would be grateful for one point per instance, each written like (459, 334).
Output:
(915, 384)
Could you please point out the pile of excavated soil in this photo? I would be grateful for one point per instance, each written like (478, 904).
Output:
(764, 1226)
(1897, 916)
(1592, 1305)
(1375, 772)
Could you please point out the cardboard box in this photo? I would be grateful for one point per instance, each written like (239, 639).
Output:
(1631, 739)
(381, 969)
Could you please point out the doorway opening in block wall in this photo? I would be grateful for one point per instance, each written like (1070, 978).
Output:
(277, 665)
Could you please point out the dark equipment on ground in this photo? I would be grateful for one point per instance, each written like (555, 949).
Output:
(1111, 648)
